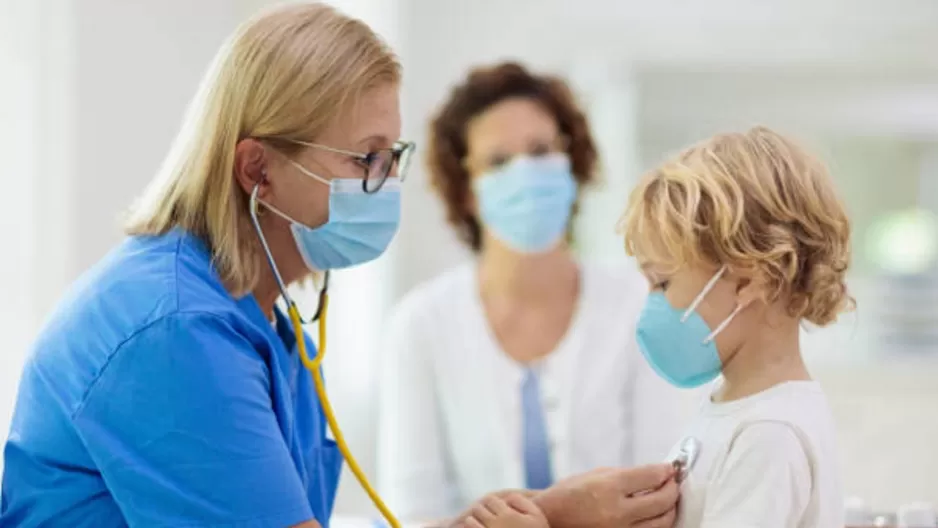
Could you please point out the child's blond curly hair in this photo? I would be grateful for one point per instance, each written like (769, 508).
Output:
(757, 203)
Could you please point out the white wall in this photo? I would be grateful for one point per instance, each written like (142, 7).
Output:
(139, 64)
(612, 100)
(36, 112)
(19, 35)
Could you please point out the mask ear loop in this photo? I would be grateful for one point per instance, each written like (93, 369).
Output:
(703, 293)
(700, 297)
(722, 326)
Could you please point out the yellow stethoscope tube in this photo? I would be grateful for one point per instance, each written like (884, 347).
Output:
(314, 364)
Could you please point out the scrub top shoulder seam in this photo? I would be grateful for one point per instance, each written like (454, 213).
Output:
(136, 333)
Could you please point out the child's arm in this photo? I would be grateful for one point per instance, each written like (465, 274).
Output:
(509, 511)
(765, 480)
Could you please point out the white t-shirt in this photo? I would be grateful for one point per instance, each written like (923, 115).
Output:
(450, 420)
(766, 461)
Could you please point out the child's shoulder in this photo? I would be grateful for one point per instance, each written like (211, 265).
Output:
(792, 402)
(796, 410)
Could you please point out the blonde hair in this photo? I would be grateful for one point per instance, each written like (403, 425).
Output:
(284, 75)
(757, 203)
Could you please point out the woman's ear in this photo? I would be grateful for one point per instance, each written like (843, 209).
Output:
(250, 166)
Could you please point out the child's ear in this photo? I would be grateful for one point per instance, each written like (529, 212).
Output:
(750, 289)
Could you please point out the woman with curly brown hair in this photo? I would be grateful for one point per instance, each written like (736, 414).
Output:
(521, 367)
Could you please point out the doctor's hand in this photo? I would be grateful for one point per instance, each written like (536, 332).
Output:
(641, 497)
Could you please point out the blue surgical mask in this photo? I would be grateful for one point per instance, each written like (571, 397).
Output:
(527, 203)
(678, 344)
(360, 227)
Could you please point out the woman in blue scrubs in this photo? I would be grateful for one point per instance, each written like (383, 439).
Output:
(167, 389)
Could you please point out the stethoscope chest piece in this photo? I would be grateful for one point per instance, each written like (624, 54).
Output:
(687, 454)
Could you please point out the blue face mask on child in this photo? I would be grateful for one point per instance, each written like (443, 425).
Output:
(678, 344)
(361, 225)
(527, 203)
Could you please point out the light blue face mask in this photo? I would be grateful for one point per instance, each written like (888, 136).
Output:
(527, 203)
(678, 344)
(361, 225)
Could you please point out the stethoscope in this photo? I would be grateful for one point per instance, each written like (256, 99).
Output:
(686, 457)
(313, 364)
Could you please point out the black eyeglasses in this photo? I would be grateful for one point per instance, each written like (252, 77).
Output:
(378, 164)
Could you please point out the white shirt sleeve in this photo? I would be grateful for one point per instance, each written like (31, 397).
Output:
(413, 472)
(765, 481)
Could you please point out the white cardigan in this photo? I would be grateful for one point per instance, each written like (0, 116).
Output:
(450, 411)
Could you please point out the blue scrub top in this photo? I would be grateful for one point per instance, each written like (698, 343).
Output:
(154, 398)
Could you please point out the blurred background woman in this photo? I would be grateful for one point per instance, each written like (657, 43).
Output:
(519, 367)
